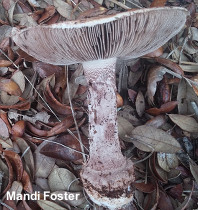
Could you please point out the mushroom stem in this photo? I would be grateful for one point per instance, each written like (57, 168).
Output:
(108, 175)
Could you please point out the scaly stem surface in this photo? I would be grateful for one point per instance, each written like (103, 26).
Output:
(107, 172)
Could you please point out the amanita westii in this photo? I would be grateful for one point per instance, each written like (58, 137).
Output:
(96, 43)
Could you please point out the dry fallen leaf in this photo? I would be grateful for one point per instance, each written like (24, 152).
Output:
(124, 128)
(64, 9)
(49, 205)
(185, 96)
(155, 75)
(63, 179)
(194, 169)
(185, 122)
(16, 163)
(150, 139)
(43, 164)
(167, 161)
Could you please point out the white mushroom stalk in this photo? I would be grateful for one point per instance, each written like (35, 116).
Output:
(108, 175)
(96, 43)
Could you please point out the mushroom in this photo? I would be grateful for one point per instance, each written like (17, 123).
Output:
(96, 43)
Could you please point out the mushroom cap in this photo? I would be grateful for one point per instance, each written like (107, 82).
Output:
(131, 33)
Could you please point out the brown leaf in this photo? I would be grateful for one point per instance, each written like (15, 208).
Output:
(185, 122)
(165, 108)
(24, 105)
(145, 187)
(18, 129)
(63, 153)
(164, 202)
(158, 3)
(155, 53)
(171, 65)
(155, 75)
(48, 13)
(119, 100)
(11, 175)
(157, 121)
(10, 203)
(9, 86)
(55, 104)
(16, 163)
(27, 185)
(5, 63)
(150, 139)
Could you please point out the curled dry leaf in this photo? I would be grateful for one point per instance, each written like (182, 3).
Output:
(150, 139)
(60, 127)
(62, 179)
(18, 129)
(10, 87)
(65, 153)
(9, 174)
(165, 108)
(171, 65)
(167, 161)
(55, 104)
(48, 13)
(27, 156)
(27, 185)
(49, 205)
(16, 163)
(12, 99)
(155, 75)
(157, 171)
(25, 105)
(185, 122)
